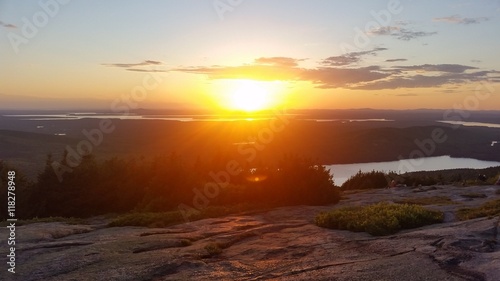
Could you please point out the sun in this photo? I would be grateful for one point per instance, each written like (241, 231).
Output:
(252, 95)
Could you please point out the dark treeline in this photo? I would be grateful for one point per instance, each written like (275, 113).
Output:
(162, 183)
(377, 179)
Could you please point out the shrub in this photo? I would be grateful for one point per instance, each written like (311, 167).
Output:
(378, 219)
(148, 219)
(364, 180)
(491, 208)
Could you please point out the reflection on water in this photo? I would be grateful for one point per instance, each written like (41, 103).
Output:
(350, 120)
(472, 124)
(342, 172)
(181, 118)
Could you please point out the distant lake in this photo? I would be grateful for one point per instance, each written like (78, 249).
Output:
(181, 118)
(472, 124)
(350, 120)
(342, 172)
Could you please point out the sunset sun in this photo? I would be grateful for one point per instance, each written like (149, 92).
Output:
(252, 95)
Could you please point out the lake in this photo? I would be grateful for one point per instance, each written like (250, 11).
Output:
(472, 124)
(342, 172)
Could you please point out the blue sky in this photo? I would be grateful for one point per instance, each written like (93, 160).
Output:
(429, 54)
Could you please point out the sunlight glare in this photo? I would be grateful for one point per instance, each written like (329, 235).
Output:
(252, 95)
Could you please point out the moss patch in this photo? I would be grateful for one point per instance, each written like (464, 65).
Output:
(379, 219)
(488, 209)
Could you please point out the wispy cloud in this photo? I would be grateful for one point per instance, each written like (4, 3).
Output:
(407, 95)
(350, 58)
(461, 20)
(128, 65)
(451, 68)
(251, 71)
(384, 30)
(278, 61)
(395, 60)
(398, 32)
(7, 25)
(137, 67)
(407, 35)
(146, 70)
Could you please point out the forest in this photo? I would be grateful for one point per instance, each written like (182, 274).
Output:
(165, 183)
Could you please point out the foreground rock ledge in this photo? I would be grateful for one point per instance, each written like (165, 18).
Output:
(282, 244)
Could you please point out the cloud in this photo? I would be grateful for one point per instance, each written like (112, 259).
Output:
(407, 35)
(128, 65)
(338, 72)
(350, 58)
(278, 61)
(395, 60)
(461, 20)
(384, 30)
(451, 68)
(330, 77)
(253, 71)
(398, 32)
(407, 95)
(145, 70)
(7, 25)
(444, 77)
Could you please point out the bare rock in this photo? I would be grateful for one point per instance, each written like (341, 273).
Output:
(281, 244)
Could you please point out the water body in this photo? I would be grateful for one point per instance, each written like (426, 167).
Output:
(350, 120)
(342, 172)
(181, 118)
(472, 124)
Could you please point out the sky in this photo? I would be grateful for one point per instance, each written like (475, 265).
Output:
(249, 54)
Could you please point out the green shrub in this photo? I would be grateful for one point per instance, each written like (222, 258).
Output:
(365, 180)
(378, 219)
(491, 208)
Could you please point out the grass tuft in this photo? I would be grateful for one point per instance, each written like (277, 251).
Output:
(73, 221)
(379, 219)
(213, 249)
(488, 209)
(165, 219)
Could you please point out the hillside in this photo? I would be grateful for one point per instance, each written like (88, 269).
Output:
(279, 244)
(323, 142)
